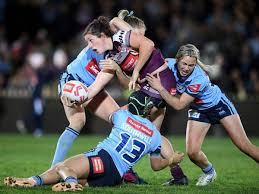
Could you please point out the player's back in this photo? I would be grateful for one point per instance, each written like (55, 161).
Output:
(86, 66)
(131, 138)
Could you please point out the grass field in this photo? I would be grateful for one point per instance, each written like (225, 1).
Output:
(23, 156)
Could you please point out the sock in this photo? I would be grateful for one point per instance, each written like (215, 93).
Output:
(71, 179)
(65, 142)
(208, 169)
(38, 180)
(177, 172)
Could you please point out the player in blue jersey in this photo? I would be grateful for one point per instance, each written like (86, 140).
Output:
(132, 137)
(118, 47)
(84, 69)
(208, 106)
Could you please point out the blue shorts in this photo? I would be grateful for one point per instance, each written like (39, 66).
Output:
(214, 114)
(103, 171)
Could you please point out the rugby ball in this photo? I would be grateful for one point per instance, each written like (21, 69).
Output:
(76, 91)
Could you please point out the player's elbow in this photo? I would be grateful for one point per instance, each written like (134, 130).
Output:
(156, 167)
(178, 107)
(149, 44)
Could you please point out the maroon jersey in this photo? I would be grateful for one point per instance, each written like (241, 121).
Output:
(127, 59)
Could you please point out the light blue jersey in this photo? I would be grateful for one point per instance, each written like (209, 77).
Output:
(84, 69)
(131, 138)
(86, 66)
(197, 85)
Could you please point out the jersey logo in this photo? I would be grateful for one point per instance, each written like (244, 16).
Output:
(93, 67)
(138, 126)
(173, 91)
(194, 87)
(97, 165)
(198, 101)
(193, 114)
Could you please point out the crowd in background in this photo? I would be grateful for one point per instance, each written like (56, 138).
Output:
(38, 38)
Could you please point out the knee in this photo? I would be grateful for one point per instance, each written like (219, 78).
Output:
(59, 166)
(77, 123)
(192, 153)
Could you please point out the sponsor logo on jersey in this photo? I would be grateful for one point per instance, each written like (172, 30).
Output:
(97, 165)
(198, 101)
(138, 126)
(194, 88)
(173, 91)
(93, 67)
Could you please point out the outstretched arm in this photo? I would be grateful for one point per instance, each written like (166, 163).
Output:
(102, 79)
(111, 65)
(175, 102)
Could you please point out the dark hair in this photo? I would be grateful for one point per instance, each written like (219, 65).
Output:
(140, 103)
(132, 20)
(98, 26)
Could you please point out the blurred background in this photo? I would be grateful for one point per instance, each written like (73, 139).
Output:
(38, 38)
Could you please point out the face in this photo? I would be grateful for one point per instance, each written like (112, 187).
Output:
(96, 43)
(186, 65)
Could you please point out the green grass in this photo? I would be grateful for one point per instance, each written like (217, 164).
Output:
(23, 156)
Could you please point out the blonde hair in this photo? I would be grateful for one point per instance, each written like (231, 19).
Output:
(191, 51)
(132, 20)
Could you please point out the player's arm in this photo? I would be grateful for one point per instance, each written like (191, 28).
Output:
(109, 64)
(159, 163)
(177, 103)
(102, 79)
(145, 48)
(118, 24)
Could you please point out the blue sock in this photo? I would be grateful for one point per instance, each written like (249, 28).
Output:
(208, 169)
(71, 179)
(38, 180)
(65, 142)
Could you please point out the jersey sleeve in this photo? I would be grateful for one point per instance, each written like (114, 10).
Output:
(115, 117)
(122, 37)
(170, 63)
(196, 85)
(156, 152)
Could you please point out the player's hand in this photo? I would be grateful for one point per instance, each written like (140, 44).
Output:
(176, 158)
(133, 80)
(67, 102)
(109, 64)
(154, 81)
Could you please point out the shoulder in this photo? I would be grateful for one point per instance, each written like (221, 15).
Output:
(117, 114)
(171, 63)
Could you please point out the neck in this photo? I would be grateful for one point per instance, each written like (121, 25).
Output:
(109, 44)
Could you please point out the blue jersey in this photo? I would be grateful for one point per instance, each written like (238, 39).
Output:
(86, 66)
(131, 138)
(197, 85)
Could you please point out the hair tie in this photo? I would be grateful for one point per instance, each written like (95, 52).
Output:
(130, 13)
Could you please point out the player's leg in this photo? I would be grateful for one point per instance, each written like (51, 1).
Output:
(76, 117)
(70, 171)
(179, 178)
(48, 177)
(195, 134)
(103, 105)
(236, 132)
